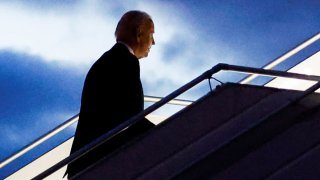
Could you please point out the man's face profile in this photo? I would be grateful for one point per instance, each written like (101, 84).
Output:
(145, 39)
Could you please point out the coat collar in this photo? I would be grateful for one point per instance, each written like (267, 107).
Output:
(128, 47)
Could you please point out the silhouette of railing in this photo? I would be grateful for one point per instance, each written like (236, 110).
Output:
(68, 123)
(206, 75)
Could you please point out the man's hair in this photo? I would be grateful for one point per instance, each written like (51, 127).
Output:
(129, 25)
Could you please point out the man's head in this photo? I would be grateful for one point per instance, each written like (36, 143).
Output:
(136, 29)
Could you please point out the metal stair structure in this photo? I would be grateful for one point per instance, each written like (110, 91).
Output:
(235, 131)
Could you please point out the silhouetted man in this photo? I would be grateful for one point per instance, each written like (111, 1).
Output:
(112, 91)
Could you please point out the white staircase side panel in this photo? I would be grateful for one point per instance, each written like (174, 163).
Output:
(310, 66)
(56, 155)
(44, 162)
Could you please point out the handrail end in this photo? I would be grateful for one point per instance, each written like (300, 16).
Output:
(217, 68)
(222, 66)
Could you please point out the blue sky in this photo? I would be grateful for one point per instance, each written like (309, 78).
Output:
(47, 47)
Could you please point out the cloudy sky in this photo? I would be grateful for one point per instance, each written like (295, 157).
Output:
(47, 47)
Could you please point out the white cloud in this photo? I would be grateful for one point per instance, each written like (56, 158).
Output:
(79, 35)
(76, 37)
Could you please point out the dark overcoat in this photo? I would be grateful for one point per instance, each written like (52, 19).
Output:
(112, 93)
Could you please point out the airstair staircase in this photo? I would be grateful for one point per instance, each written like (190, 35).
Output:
(235, 131)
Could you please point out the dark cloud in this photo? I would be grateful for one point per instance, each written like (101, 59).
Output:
(261, 29)
(35, 97)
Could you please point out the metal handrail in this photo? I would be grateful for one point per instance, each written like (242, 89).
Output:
(68, 123)
(38, 141)
(165, 100)
(284, 57)
(179, 102)
(245, 129)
